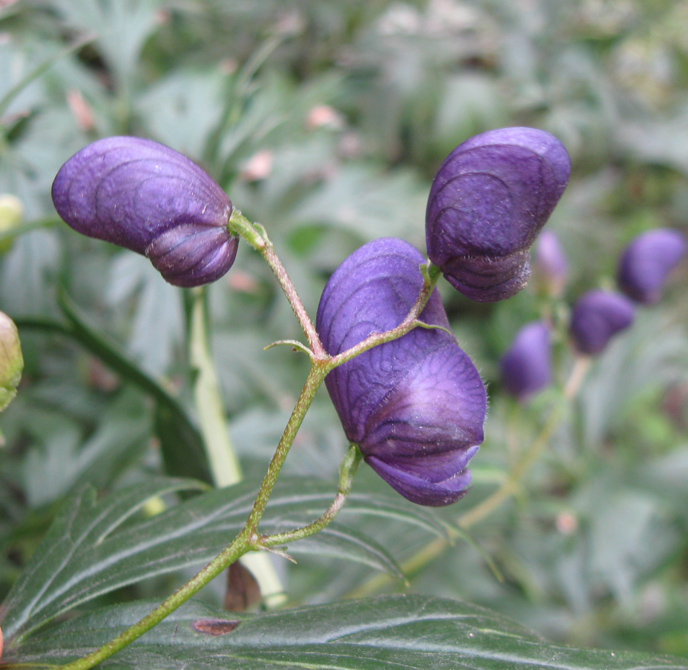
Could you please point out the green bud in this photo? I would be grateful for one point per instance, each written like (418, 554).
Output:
(11, 360)
(11, 215)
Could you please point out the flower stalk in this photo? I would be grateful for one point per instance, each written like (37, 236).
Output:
(249, 538)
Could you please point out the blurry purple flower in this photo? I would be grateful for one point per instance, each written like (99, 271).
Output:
(487, 204)
(527, 365)
(153, 200)
(550, 266)
(647, 262)
(597, 317)
(415, 406)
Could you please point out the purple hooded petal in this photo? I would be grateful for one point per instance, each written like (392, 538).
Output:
(190, 255)
(647, 262)
(597, 317)
(133, 192)
(419, 489)
(415, 406)
(488, 202)
(527, 365)
(550, 265)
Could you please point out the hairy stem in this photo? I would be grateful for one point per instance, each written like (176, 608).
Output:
(249, 539)
(224, 463)
(256, 236)
(347, 472)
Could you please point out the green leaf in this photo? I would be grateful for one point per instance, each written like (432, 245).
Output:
(404, 632)
(181, 443)
(9, 95)
(67, 557)
(89, 551)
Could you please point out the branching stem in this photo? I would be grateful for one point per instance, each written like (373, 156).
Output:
(249, 538)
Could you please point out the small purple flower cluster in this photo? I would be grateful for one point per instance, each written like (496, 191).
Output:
(598, 315)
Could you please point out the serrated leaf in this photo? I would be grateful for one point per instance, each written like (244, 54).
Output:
(88, 552)
(410, 632)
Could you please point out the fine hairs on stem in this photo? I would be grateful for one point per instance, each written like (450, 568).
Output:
(249, 538)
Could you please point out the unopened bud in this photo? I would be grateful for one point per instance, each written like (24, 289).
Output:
(11, 215)
(11, 360)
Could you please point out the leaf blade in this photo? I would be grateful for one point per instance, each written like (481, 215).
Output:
(411, 632)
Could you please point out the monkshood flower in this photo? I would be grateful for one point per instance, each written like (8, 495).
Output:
(153, 200)
(648, 261)
(527, 366)
(597, 317)
(11, 360)
(416, 405)
(550, 265)
(488, 202)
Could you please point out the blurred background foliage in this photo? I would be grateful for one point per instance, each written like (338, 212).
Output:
(326, 121)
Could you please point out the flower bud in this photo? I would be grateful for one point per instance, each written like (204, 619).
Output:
(550, 266)
(153, 200)
(648, 261)
(416, 405)
(597, 317)
(11, 360)
(487, 204)
(11, 215)
(527, 365)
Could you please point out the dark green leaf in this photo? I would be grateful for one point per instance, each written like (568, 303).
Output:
(396, 632)
(65, 560)
(88, 552)
(181, 443)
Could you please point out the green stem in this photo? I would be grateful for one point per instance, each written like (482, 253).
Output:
(249, 539)
(232, 553)
(316, 376)
(256, 236)
(347, 472)
(224, 464)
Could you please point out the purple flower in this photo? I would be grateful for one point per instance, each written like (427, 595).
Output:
(647, 262)
(153, 200)
(527, 366)
(415, 406)
(550, 265)
(597, 317)
(487, 204)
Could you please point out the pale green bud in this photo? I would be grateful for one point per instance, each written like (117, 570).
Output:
(11, 360)
(11, 215)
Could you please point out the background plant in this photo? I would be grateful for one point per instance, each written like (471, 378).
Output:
(326, 122)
